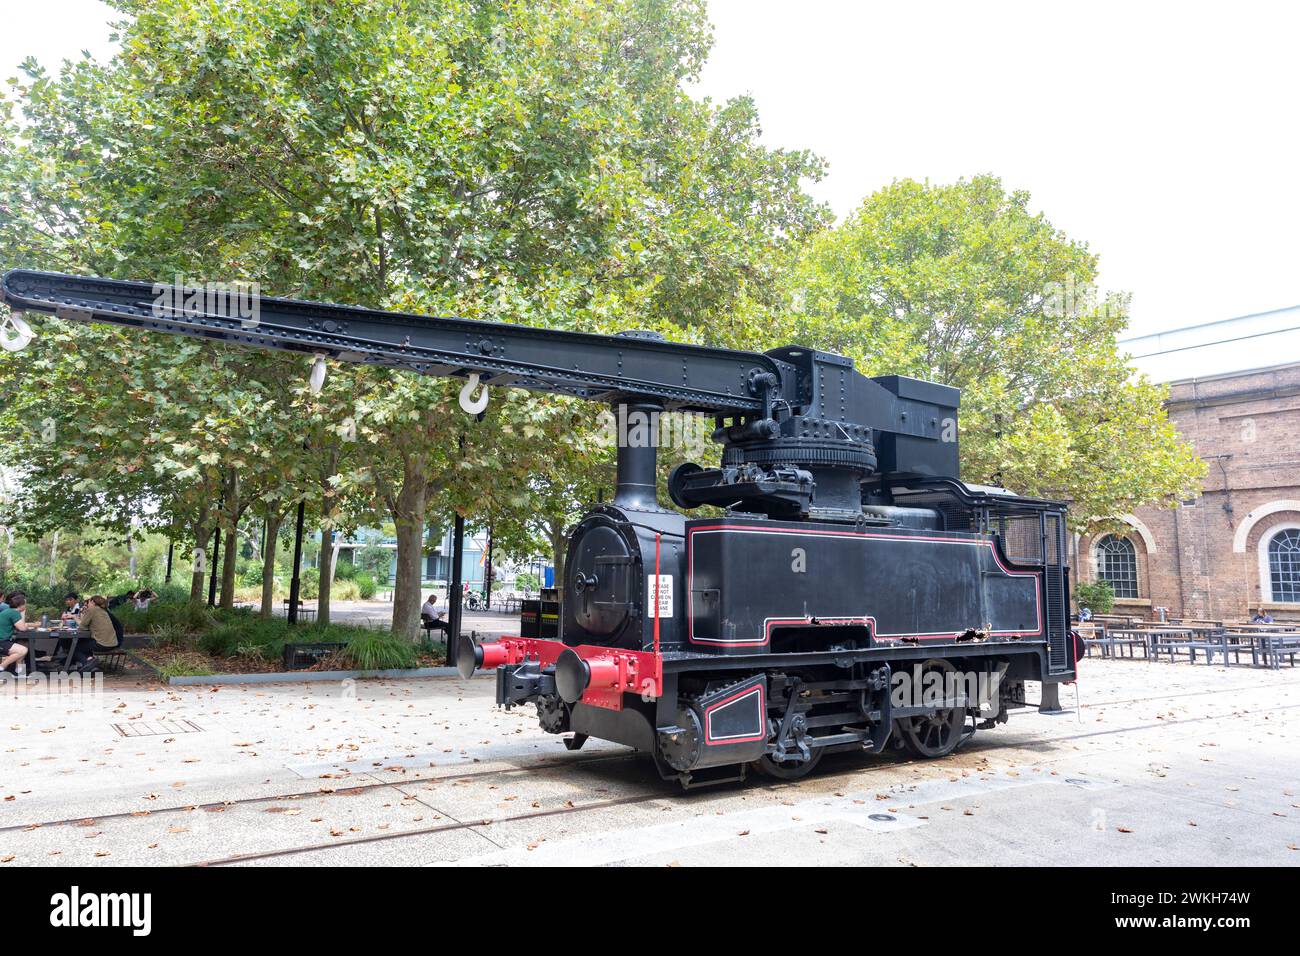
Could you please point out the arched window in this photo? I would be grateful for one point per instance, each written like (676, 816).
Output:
(1284, 565)
(1117, 565)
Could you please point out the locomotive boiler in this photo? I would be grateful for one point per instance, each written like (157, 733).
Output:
(841, 589)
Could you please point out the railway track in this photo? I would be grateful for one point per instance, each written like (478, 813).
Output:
(568, 765)
(881, 764)
(321, 792)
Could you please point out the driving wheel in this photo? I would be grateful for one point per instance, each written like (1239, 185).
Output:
(937, 734)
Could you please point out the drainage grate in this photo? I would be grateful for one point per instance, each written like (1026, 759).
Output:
(156, 728)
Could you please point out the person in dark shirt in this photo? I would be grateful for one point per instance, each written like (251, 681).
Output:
(71, 607)
(1262, 617)
(121, 599)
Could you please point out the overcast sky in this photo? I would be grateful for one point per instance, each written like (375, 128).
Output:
(1165, 135)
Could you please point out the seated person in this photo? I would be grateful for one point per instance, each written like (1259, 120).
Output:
(431, 616)
(1262, 617)
(97, 625)
(11, 620)
(143, 598)
(120, 599)
(71, 608)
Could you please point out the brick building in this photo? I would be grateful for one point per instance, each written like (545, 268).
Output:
(1235, 395)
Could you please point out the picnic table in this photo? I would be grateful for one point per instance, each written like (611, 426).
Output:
(1269, 646)
(1116, 641)
(45, 641)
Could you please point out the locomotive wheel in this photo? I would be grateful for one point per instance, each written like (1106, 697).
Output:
(933, 735)
(786, 769)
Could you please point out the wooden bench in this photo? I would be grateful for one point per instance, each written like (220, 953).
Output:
(1112, 642)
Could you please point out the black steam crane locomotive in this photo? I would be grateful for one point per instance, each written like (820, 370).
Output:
(847, 591)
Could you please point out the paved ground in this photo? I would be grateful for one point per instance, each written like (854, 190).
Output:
(1164, 764)
(380, 614)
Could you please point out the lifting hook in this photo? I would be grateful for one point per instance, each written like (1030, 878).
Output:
(317, 377)
(473, 406)
(15, 333)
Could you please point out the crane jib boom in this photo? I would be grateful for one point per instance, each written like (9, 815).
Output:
(800, 428)
(592, 366)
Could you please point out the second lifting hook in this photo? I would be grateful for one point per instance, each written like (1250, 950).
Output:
(15, 333)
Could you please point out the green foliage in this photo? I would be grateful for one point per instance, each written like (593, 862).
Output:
(379, 650)
(181, 665)
(248, 573)
(539, 163)
(243, 633)
(378, 561)
(221, 640)
(426, 646)
(38, 594)
(963, 285)
(171, 594)
(345, 591)
(366, 586)
(170, 635)
(187, 617)
(1096, 595)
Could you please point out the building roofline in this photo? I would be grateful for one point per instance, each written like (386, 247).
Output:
(1240, 373)
(1206, 325)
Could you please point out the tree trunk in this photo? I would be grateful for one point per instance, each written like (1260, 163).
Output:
(199, 562)
(409, 516)
(6, 551)
(556, 530)
(230, 542)
(270, 538)
(54, 556)
(326, 576)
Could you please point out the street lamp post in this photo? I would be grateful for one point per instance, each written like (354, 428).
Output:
(295, 583)
(454, 591)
